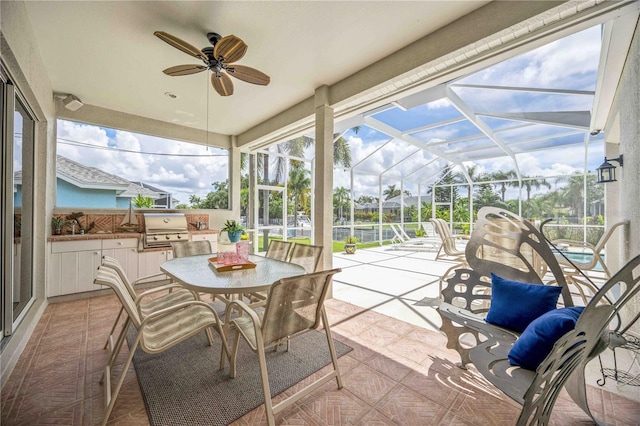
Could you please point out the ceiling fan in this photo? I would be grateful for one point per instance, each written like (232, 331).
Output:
(218, 59)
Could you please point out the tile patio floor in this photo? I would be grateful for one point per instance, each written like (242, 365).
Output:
(398, 373)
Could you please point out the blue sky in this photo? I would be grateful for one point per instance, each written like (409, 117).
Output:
(569, 63)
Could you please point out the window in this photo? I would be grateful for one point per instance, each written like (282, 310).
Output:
(99, 167)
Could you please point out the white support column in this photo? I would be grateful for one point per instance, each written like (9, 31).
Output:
(234, 178)
(419, 206)
(380, 208)
(323, 197)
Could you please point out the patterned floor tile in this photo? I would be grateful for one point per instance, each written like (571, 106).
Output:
(368, 384)
(396, 374)
(404, 406)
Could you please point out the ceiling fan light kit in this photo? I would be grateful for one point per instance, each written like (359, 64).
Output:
(219, 59)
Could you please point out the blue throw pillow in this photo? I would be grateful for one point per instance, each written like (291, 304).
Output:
(514, 304)
(537, 340)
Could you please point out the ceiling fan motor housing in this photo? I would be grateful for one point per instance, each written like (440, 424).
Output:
(213, 38)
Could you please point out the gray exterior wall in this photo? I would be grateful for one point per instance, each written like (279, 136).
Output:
(623, 197)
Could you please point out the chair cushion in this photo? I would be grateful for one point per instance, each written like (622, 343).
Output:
(537, 340)
(514, 304)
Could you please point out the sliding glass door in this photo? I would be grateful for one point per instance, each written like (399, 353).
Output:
(18, 134)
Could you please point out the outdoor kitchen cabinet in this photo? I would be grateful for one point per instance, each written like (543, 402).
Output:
(73, 266)
(149, 262)
(125, 250)
(204, 237)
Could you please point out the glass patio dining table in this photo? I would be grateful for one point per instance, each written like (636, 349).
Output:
(198, 274)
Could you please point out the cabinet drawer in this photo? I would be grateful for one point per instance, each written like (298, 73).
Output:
(204, 237)
(120, 243)
(72, 246)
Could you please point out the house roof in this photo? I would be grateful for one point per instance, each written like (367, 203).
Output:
(91, 177)
(88, 177)
(408, 200)
(134, 189)
(159, 192)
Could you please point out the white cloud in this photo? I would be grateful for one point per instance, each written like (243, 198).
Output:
(182, 176)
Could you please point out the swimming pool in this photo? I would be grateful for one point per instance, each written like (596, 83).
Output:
(582, 258)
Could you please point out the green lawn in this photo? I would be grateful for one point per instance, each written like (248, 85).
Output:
(338, 246)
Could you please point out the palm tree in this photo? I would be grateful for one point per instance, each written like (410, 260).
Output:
(390, 192)
(507, 176)
(296, 147)
(340, 196)
(299, 186)
(536, 183)
(474, 175)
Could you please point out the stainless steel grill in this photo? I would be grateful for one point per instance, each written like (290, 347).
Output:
(162, 229)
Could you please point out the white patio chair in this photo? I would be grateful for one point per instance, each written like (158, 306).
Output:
(416, 243)
(157, 330)
(398, 238)
(307, 256)
(177, 294)
(294, 306)
(574, 270)
(191, 248)
(279, 250)
(448, 250)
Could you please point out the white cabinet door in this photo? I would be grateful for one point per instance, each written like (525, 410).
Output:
(73, 266)
(203, 237)
(126, 252)
(149, 263)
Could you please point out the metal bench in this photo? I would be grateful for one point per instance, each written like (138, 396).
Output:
(511, 247)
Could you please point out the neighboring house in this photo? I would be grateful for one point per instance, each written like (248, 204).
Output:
(164, 200)
(79, 185)
(392, 205)
(123, 199)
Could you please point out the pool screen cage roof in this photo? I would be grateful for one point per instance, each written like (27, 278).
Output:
(526, 118)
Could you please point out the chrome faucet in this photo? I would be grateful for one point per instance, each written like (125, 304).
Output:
(73, 227)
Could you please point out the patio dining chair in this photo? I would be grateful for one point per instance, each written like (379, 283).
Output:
(191, 248)
(294, 306)
(177, 294)
(307, 256)
(157, 330)
(578, 273)
(279, 250)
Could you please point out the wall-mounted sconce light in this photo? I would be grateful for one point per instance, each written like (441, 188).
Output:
(607, 171)
(72, 103)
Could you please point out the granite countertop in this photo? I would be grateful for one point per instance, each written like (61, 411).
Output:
(113, 236)
(94, 236)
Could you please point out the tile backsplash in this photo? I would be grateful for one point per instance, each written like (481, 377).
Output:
(110, 222)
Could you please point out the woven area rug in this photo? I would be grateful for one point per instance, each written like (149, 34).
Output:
(183, 385)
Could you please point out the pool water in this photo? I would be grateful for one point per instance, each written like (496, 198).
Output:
(582, 258)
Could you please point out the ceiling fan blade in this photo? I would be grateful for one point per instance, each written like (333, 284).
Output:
(184, 70)
(230, 49)
(180, 44)
(222, 83)
(248, 74)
